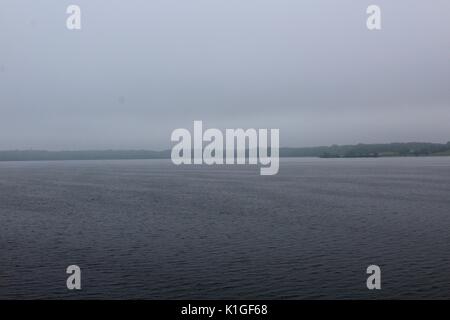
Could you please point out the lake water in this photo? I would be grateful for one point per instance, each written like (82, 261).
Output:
(148, 229)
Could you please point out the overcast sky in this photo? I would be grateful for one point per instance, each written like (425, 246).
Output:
(139, 69)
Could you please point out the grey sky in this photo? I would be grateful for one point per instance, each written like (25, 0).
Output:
(139, 69)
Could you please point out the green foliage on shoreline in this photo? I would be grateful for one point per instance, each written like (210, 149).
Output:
(371, 150)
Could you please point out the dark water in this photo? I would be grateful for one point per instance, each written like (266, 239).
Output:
(149, 229)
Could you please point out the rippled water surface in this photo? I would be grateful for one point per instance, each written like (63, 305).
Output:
(149, 229)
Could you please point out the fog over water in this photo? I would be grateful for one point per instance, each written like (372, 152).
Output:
(148, 229)
(137, 70)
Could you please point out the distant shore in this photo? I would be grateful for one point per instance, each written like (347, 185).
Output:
(409, 149)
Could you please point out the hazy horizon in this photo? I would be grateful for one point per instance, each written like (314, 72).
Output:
(135, 72)
(169, 147)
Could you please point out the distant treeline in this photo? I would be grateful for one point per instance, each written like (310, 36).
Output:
(334, 151)
(24, 155)
(370, 150)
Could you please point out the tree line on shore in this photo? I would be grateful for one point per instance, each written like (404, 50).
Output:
(334, 151)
